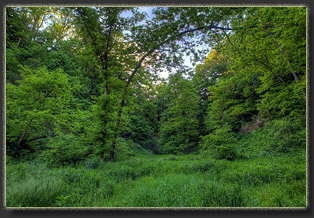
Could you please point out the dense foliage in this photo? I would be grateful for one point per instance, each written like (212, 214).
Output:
(84, 89)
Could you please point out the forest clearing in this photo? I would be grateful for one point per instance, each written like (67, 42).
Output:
(156, 107)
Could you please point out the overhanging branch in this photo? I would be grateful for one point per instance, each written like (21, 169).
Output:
(168, 40)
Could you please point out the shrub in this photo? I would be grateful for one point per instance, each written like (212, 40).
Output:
(220, 143)
(65, 149)
(274, 138)
(281, 135)
(227, 151)
(286, 135)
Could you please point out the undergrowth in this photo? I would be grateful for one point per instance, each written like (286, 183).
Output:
(264, 175)
(160, 181)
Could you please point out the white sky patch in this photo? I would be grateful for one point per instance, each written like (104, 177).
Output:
(164, 74)
(126, 14)
(148, 10)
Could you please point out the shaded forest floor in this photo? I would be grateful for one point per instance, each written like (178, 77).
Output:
(161, 181)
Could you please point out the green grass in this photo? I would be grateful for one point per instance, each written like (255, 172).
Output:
(30, 185)
(161, 181)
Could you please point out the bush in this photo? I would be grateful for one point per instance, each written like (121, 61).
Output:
(274, 138)
(123, 150)
(286, 135)
(283, 135)
(219, 144)
(227, 151)
(65, 149)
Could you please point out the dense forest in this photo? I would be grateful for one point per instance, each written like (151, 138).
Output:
(156, 107)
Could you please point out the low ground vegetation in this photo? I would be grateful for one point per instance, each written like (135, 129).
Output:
(258, 179)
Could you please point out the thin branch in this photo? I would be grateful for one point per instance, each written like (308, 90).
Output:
(282, 53)
(168, 40)
(21, 138)
(39, 137)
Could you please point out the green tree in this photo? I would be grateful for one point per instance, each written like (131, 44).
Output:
(206, 75)
(164, 34)
(108, 62)
(263, 79)
(179, 124)
(272, 41)
(37, 109)
(113, 58)
(143, 114)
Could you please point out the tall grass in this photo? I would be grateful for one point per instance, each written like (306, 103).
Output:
(270, 173)
(178, 190)
(30, 185)
(161, 181)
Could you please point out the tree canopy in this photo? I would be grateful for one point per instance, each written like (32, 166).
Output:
(85, 81)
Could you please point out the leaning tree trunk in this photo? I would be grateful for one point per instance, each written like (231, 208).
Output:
(125, 92)
(115, 133)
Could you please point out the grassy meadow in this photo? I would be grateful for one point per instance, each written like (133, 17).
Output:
(161, 181)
